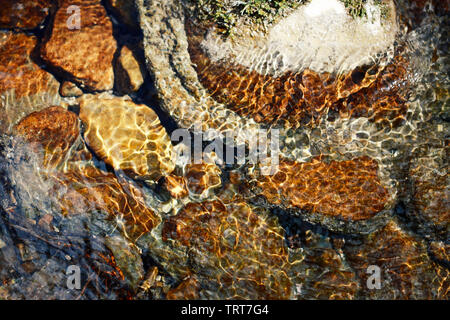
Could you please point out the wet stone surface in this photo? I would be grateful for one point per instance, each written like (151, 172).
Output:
(24, 14)
(81, 44)
(24, 86)
(91, 92)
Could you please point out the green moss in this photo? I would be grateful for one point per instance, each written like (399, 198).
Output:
(356, 8)
(225, 13)
(384, 9)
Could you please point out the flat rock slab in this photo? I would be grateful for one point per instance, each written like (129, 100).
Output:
(127, 136)
(24, 86)
(53, 130)
(82, 45)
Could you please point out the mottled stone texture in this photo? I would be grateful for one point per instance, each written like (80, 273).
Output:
(24, 14)
(129, 76)
(52, 130)
(90, 190)
(234, 251)
(127, 136)
(24, 86)
(69, 89)
(345, 189)
(406, 269)
(86, 51)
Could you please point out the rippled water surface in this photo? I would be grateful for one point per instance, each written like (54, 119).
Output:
(91, 93)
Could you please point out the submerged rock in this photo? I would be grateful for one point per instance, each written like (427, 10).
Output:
(91, 190)
(24, 86)
(406, 270)
(127, 136)
(81, 44)
(233, 251)
(24, 14)
(323, 272)
(128, 72)
(53, 130)
(70, 89)
(128, 260)
(342, 195)
(427, 192)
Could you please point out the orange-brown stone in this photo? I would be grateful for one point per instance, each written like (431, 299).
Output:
(24, 86)
(241, 252)
(24, 14)
(304, 97)
(89, 188)
(201, 178)
(186, 290)
(406, 270)
(53, 129)
(345, 189)
(70, 89)
(86, 53)
(176, 186)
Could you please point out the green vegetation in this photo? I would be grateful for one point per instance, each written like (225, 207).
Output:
(356, 8)
(225, 14)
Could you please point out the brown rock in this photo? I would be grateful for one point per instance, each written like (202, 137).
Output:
(127, 136)
(299, 98)
(176, 186)
(202, 178)
(24, 14)
(323, 272)
(24, 86)
(128, 72)
(234, 251)
(52, 130)
(186, 290)
(345, 189)
(90, 189)
(87, 52)
(70, 89)
(406, 270)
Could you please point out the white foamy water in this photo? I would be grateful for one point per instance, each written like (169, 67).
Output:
(319, 35)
